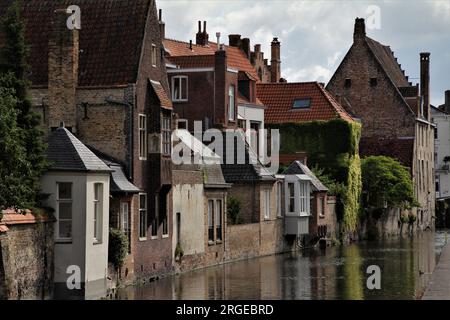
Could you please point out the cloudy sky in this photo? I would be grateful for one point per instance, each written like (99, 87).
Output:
(315, 35)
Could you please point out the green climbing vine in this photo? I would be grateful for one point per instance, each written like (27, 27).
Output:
(333, 147)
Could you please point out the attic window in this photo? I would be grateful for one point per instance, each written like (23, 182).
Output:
(348, 83)
(302, 103)
(373, 82)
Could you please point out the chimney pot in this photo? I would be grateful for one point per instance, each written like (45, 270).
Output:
(257, 47)
(160, 14)
(275, 63)
(204, 26)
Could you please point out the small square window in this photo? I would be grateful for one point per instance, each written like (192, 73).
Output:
(348, 83)
(301, 103)
(373, 82)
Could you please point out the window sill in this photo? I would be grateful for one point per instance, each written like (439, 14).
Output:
(143, 239)
(218, 241)
(321, 216)
(211, 243)
(142, 159)
(154, 238)
(97, 242)
(165, 236)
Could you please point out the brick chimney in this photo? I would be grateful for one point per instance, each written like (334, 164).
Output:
(245, 46)
(234, 40)
(202, 37)
(275, 63)
(447, 98)
(63, 54)
(425, 84)
(162, 25)
(360, 30)
(220, 88)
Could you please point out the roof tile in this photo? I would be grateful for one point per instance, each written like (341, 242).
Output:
(279, 99)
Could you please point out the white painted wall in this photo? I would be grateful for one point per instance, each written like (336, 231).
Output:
(442, 149)
(188, 200)
(81, 251)
(255, 114)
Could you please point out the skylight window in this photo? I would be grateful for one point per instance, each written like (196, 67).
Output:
(301, 103)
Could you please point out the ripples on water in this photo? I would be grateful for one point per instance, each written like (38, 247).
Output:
(334, 273)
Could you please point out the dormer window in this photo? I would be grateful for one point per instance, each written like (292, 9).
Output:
(180, 88)
(304, 103)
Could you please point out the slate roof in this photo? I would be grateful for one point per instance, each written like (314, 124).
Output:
(279, 99)
(388, 62)
(67, 153)
(111, 38)
(236, 58)
(250, 171)
(297, 167)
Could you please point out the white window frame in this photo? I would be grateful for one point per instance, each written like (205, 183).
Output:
(304, 198)
(181, 92)
(266, 204)
(143, 138)
(290, 197)
(154, 55)
(98, 212)
(125, 221)
(231, 103)
(155, 222)
(166, 136)
(64, 200)
(218, 219)
(211, 212)
(279, 193)
(143, 212)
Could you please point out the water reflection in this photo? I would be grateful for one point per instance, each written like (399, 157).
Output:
(335, 273)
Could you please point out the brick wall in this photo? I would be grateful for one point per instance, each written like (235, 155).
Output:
(26, 261)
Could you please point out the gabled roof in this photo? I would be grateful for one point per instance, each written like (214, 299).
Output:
(111, 38)
(297, 167)
(279, 99)
(67, 153)
(388, 62)
(186, 62)
(236, 57)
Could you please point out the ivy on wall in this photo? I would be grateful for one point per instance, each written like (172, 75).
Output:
(332, 146)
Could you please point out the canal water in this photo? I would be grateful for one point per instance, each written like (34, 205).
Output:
(333, 273)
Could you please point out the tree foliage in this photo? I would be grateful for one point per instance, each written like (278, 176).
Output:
(386, 183)
(26, 138)
(332, 146)
(117, 247)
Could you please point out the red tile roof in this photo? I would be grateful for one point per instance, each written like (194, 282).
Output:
(110, 38)
(162, 95)
(12, 217)
(186, 62)
(279, 99)
(236, 57)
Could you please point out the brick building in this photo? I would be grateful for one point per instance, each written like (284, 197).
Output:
(394, 113)
(108, 83)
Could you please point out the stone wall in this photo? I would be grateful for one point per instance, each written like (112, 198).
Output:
(256, 239)
(26, 261)
(389, 224)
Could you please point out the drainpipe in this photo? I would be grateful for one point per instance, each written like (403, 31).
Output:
(130, 132)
